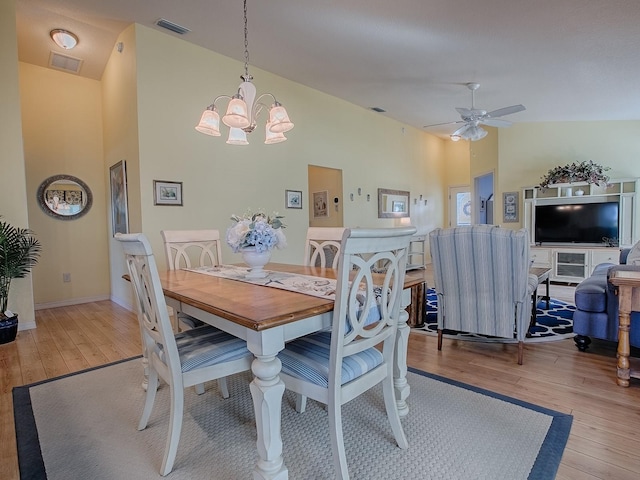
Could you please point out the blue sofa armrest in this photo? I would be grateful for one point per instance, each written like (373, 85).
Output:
(624, 253)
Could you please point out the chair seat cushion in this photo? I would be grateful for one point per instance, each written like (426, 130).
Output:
(308, 358)
(206, 346)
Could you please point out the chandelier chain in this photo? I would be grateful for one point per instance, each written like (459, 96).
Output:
(246, 42)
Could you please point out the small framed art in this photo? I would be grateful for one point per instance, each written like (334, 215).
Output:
(119, 209)
(320, 200)
(293, 198)
(510, 203)
(167, 193)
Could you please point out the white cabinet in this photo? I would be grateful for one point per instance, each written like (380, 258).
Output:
(624, 191)
(416, 257)
(572, 264)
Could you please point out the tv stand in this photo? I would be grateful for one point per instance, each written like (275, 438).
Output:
(572, 264)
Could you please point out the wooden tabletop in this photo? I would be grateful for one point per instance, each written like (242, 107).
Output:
(254, 306)
(625, 277)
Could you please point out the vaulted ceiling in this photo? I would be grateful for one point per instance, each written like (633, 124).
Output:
(565, 60)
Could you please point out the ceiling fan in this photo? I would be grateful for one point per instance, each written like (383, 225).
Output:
(473, 117)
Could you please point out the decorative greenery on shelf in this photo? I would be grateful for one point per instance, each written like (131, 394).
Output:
(589, 172)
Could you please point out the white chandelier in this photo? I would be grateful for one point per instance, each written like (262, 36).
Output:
(244, 108)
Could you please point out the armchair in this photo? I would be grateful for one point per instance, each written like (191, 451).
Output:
(482, 280)
(596, 302)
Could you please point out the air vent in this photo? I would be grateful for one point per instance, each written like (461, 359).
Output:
(65, 62)
(174, 27)
(378, 109)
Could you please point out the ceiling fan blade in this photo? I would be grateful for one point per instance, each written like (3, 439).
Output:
(496, 122)
(445, 123)
(506, 111)
(465, 112)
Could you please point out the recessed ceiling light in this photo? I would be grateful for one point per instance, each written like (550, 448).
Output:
(64, 39)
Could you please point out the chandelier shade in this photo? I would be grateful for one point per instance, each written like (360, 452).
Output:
(244, 108)
(209, 123)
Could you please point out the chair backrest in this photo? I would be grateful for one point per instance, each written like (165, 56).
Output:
(191, 248)
(323, 246)
(155, 325)
(367, 304)
(481, 279)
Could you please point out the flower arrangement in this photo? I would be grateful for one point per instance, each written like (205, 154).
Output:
(256, 230)
(589, 172)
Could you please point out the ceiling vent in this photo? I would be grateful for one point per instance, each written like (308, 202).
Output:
(174, 27)
(65, 62)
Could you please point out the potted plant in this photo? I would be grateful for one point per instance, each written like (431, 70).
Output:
(19, 252)
(589, 172)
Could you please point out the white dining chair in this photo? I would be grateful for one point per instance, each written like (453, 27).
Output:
(323, 246)
(190, 249)
(334, 367)
(187, 359)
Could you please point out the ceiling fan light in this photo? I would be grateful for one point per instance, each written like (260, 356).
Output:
(237, 115)
(455, 138)
(209, 123)
(63, 38)
(475, 133)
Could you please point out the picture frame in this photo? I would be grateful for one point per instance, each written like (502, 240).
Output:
(510, 207)
(320, 204)
(393, 203)
(167, 193)
(119, 206)
(293, 198)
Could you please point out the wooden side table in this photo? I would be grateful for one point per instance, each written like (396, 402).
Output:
(628, 284)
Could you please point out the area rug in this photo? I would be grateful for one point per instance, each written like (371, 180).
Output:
(556, 323)
(84, 426)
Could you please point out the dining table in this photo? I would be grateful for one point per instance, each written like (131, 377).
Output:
(267, 318)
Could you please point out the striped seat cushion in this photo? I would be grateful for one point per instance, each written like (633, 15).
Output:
(206, 346)
(307, 358)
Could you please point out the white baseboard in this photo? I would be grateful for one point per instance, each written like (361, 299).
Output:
(26, 325)
(123, 303)
(72, 301)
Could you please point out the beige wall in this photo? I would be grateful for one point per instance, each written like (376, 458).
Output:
(62, 128)
(528, 150)
(13, 194)
(176, 80)
(120, 118)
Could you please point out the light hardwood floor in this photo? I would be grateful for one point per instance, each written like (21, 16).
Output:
(606, 428)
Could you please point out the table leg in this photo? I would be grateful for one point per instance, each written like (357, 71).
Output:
(400, 384)
(548, 297)
(624, 321)
(267, 390)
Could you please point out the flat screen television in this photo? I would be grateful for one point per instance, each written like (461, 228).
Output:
(577, 223)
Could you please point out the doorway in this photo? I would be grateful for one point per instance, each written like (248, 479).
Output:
(483, 195)
(460, 206)
(325, 197)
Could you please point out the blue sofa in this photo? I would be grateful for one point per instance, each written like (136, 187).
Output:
(596, 312)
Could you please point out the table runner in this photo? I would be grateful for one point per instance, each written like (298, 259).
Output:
(294, 282)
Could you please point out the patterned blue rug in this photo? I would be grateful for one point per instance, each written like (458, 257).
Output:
(553, 324)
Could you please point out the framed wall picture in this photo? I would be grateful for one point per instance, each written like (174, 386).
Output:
(293, 198)
(510, 205)
(320, 200)
(167, 193)
(119, 208)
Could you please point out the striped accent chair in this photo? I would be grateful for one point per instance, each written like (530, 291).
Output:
(184, 360)
(482, 280)
(337, 366)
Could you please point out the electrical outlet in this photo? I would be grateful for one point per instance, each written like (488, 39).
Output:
(66, 277)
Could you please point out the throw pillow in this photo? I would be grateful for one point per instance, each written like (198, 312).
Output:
(634, 255)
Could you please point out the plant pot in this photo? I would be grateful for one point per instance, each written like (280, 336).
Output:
(8, 329)
(256, 262)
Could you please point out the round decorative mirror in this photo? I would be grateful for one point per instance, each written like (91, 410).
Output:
(64, 197)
